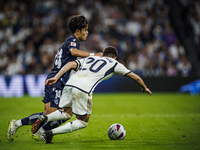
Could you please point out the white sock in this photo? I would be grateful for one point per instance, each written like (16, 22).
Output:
(18, 123)
(41, 130)
(58, 115)
(70, 127)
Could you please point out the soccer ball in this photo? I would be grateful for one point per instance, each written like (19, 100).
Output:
(116, 132)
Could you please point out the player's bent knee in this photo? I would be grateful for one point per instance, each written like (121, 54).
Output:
(65, 115)
(48, 109)
(68, 110)
(78, 124)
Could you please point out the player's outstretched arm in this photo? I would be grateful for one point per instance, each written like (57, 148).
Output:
(80, 53)
(68, 66)
(140, 82)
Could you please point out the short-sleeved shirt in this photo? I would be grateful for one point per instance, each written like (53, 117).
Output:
(94, 69)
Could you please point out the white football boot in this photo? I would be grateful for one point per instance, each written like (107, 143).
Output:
(39, 135)
(12, 128)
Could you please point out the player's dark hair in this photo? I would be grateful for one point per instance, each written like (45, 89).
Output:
(77, 22)
(110, 51)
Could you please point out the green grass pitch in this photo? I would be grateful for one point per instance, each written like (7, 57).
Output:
(164, 121)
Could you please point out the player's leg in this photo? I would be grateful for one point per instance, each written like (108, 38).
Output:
(51, 124)
(61, 114)
(47, 110)
(65, 102)
(51, 101)
(82, 107)
(80, 123)
(15, 124)
(52, 121)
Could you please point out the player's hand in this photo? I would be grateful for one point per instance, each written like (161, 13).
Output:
(99, 54)
(50, 81)
(147, 90)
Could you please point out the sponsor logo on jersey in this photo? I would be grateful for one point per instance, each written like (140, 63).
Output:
(73, 44)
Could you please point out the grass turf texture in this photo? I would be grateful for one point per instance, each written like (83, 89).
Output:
(160, 122)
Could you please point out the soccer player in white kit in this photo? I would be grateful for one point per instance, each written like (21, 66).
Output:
(77, 93)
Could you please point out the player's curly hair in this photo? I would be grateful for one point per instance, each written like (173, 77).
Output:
(77, 22)
(110, 51)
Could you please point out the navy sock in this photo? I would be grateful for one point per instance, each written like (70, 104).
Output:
(31, 119)
(52, 124)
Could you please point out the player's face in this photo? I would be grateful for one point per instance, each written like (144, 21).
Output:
(83, 34)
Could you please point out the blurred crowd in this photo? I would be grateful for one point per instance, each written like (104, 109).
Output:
(31, 31)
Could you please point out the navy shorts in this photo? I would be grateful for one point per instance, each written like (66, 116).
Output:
(53, 93)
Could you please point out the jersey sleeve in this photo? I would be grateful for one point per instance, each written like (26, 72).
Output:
(73, 44)
(121, 69)
(79, 63)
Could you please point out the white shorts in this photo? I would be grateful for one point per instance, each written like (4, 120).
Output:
(80, 102)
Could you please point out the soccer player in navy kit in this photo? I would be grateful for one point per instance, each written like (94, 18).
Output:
(69, 51)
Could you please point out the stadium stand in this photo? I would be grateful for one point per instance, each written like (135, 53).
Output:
(154, 37)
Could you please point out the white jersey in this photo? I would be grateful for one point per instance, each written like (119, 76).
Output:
(94, 69)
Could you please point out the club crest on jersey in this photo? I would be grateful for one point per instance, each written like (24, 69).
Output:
(73, 44)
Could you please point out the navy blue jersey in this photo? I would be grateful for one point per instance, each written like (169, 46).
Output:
(64, 56)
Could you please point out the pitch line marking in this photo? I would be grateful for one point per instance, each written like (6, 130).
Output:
(146, 115)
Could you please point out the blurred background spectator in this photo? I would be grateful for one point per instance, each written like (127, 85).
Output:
(153, 38)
